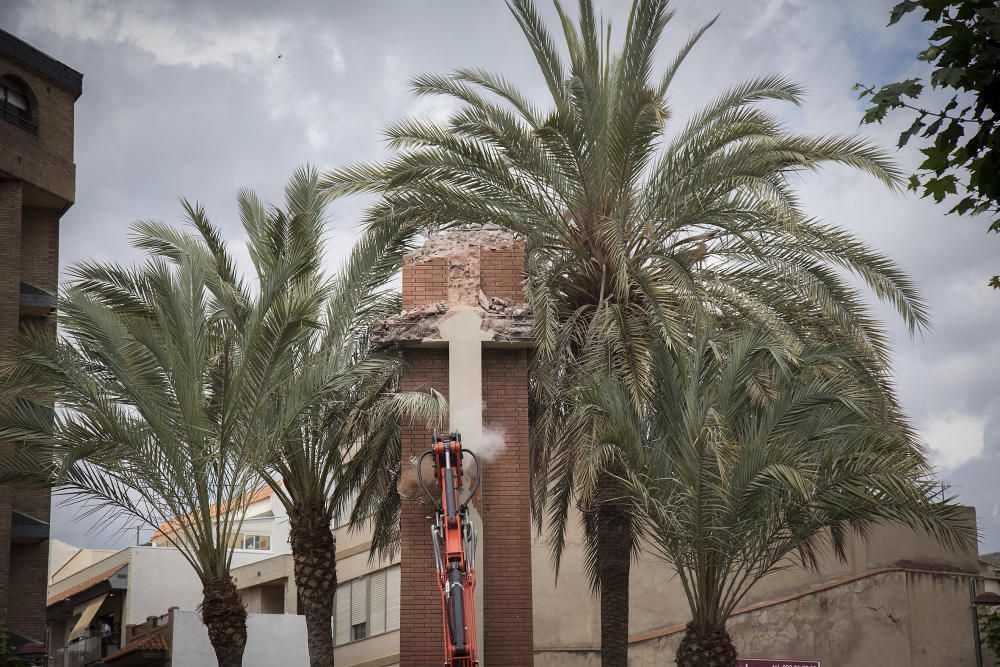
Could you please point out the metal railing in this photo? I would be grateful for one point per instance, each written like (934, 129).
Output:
(17, 116)
(86, 651)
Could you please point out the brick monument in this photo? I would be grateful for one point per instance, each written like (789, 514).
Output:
(466, 333)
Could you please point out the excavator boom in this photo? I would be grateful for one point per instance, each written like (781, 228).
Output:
(455, 540)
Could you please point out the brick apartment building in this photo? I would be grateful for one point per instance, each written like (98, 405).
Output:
(37, 183)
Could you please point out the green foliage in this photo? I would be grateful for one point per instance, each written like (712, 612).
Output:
(338, 392)
(631, 230)
(758, 457)
(637, 228)
(174, 383)
(989, 629)
(961, 155)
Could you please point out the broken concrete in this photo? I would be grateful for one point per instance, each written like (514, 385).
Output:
(502, 320)
(506, 322)
(461, 241)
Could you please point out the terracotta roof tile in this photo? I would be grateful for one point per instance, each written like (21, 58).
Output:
(151, 641)
(84, 585)
(260, 494)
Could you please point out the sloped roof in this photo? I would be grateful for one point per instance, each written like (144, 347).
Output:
(151, 641)
(84, 585)
(260, 494)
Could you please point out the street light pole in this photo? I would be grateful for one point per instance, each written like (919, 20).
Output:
(975, 622)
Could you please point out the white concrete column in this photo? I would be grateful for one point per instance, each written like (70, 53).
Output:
(463, 331)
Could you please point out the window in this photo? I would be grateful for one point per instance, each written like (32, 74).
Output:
(255, 542)
(359, 608)
(367, 606)
(15, 104)
(392, 587)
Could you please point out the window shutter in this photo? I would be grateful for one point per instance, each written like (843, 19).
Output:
(392, 582)
(376, 600)
(342, 603)
(359, 600)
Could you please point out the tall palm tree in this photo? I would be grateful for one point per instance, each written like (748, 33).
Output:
(341, 395)
(757, 458)
(160, 400)
(633, 228)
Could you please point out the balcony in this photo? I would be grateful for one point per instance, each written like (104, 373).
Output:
(26, 529)
(36, 302)
(86, 651)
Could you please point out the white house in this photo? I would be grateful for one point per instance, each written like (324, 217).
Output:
(92, 591)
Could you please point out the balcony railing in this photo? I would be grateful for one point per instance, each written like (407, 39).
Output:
(86, 651)
(17, 116)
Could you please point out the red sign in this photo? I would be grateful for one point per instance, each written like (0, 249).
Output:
(770, 662)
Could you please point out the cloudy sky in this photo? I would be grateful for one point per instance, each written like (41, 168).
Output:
(200, 99)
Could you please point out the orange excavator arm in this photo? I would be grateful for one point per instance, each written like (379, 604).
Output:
(455, 540)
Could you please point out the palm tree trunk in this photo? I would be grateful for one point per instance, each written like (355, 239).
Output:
(314, 553)
(613, 563)
(225, 617)
(706, 647)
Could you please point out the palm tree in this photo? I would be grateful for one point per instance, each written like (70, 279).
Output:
(341, 394)
(159, 402)
(757, 458)
(632, 230)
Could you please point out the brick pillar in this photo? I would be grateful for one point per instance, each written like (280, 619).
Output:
(507, 512)
(10, 262)
(420, 633)
(39, 265)
(10, 295)
(40, 248)
(453, 274)
(40, 268)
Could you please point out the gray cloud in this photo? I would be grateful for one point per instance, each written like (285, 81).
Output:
(192, 99)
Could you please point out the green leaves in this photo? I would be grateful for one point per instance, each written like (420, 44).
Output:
(939, 187)
(929, 54)
(889, 97)
(904, 137)
(989, 624)
(961, 158)
(164, 374)
(732, 481)
(639, 236)
(902, 9)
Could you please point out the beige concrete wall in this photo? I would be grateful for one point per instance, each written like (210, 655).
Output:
(118, 558)
(567, 615)
(880, 620)
(76, 561)
(378, 651)
(266, 599)
(159, 579)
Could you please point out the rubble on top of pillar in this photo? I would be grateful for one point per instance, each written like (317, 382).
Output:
(508, 322)
(461, 249)
(460, 241)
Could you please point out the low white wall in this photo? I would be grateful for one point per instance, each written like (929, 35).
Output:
(160, 578)
(272, 639)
